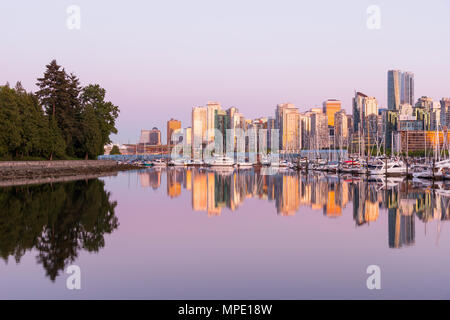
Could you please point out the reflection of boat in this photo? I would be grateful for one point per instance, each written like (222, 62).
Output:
(222, 170)
(442, 189)
(332, 166)
(281, 163)
(244, 165)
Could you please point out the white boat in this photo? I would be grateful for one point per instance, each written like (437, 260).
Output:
(284, 164)
(159, 163)
(179, 162)
(265, 160)
(197, 162)
(221, 161)
(391, 168)
(439, 172)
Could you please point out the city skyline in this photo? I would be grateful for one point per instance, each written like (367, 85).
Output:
(400, 95)
(368, 124)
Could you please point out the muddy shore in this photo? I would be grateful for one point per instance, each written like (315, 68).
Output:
(34, 172)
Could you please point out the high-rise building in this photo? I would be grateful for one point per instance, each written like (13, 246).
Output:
(400, 89)
(145, 137)
(211, 107)
(425, 103)
(199, 125)
(172, 126)
(221, 123)
(445, 114)
(187, 142)
(306, 129)
(407, 85)
(319, 131)
(155, 137)
(363, 107)
(270, 126)
(188, 135)
(330, 107)
(287, 119)
(358, 111)
(370, 106)
(340, 129)
(236, 122)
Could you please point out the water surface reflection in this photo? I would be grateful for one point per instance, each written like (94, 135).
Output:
(213, 190)
(56, 220)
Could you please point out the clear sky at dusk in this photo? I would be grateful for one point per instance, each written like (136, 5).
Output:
(157, 59)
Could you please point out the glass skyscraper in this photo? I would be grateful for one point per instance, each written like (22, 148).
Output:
(400, 89)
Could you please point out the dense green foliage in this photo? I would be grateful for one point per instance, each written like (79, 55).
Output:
(115, 150)
(61, 120)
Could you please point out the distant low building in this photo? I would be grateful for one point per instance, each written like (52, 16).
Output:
(151, 137)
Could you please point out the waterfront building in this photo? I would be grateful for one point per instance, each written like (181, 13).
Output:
(363, 107)
(150, 137)
(445, 114)
(221, 123)
(211, 107)
(341, 129)
(305, 129)
(409, 123)
(287, 121)
(419, 140)
(319, 131)
(172, 127)
(400, 88)
(435, 119)
(199, 127)
(271, 125)
(187, 142)
(236, 123)
(330, 107)
(425, 102)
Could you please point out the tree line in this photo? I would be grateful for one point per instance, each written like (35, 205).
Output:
(62, 120)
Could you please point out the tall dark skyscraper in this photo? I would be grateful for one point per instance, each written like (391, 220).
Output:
(400, 89)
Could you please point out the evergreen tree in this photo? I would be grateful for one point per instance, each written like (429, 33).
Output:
(92, 135)
(61, 120)
(10, 128)
(58, 94)
(115, 150)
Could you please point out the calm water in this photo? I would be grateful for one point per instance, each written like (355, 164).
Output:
(197, 234)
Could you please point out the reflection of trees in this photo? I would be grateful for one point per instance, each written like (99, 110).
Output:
(58, 220)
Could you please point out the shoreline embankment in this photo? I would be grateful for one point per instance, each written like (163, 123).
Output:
(36, 172)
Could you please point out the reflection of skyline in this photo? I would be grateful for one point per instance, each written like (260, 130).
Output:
(212, 191)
